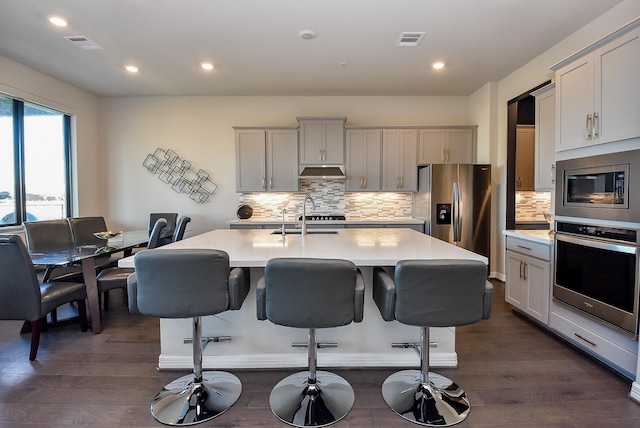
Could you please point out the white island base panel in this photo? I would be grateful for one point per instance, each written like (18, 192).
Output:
(262, 344)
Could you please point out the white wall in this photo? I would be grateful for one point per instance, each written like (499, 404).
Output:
(534, 73)
(200, 130)
(27, 84)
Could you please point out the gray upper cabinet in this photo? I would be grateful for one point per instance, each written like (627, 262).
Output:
(399, 160)
(545, 138)
(364, 151)
(598, 93)
(266, 160)
(446, 145)
(321, 141)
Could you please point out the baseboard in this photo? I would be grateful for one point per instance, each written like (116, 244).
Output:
(277, 361)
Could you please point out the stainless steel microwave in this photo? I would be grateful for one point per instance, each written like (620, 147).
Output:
(604, 187)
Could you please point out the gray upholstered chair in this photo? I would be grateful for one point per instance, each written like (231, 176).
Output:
(116, 277)
(51, 235)
(430, 293)
(189, 283)
(311, 294)
(178, 234)
(23, 297)
(82, 232)
(171, 219)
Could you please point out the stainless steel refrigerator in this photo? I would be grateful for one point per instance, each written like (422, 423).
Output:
(454, 200)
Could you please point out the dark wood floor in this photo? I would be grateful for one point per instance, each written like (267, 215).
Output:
(515, 375)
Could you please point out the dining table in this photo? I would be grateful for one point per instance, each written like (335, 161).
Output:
(86, 255)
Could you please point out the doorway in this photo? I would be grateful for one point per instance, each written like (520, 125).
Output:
(521, 112)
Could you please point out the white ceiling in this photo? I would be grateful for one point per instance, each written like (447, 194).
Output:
(256, 49)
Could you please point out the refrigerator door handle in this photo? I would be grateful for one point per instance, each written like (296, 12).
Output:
(454, 212)
(457, 219)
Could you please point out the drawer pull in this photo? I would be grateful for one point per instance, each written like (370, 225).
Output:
(586, 340)
(523, 247)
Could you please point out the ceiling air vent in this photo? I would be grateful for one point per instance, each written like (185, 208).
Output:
(83, 42)
(410, 39)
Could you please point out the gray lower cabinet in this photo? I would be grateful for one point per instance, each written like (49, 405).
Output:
(528, 286)
(609, 345)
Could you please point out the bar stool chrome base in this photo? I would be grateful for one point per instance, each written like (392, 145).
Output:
(438, 402)
(296, 402)
(185, 402)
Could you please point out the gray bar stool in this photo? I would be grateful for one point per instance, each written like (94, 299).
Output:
(430, 293)
(186, 283)
(311, 293)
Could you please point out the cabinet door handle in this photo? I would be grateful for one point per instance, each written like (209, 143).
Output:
(596, 124)
(524, 271)
(365, 182)
(588, 127)
(553, 173)
(523, 247)
(362, 182)
(270, 182)
(585, 339)
(263, 183)
(520, 269)
(402, 182)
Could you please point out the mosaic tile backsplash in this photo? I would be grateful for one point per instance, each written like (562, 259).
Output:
(330, 198)
(531, 205)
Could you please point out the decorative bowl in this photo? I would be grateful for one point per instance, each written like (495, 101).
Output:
(106, 235)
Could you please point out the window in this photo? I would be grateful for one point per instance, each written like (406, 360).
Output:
(34, 162)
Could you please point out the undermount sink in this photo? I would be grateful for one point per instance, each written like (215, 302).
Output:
(309, 232)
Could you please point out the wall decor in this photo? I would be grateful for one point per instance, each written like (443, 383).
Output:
(180, 175)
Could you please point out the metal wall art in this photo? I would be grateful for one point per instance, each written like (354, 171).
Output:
(179, 174)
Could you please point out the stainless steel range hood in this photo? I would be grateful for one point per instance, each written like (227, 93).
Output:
(326, 172)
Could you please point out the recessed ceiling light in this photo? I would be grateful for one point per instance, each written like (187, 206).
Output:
(58, 21)
(131, 68)
(438, 65)
(307, 34)
(206, 66)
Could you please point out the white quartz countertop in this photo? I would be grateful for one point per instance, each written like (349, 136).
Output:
(349, 220)
(541, 236)
(364, 247)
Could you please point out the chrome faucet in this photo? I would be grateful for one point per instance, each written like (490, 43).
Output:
(304, 212)
(284, 211)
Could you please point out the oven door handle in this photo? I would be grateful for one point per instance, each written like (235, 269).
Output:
(609, 246)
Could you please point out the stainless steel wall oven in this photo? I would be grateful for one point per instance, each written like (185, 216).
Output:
(596, 271)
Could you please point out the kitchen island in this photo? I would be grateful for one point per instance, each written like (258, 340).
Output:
(260, 344)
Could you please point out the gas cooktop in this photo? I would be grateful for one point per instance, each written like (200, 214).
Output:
(323, 217)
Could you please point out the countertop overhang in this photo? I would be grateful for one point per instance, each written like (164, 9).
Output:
(364, 247)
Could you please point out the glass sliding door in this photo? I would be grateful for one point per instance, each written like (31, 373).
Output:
(44, 163)
(7, 163)
(35, 162)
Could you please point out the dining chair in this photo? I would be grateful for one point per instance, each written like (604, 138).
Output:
(180, 228)
(51, 235)
(82, 231)
(23, 297)
(116, 277)
(167, 233)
